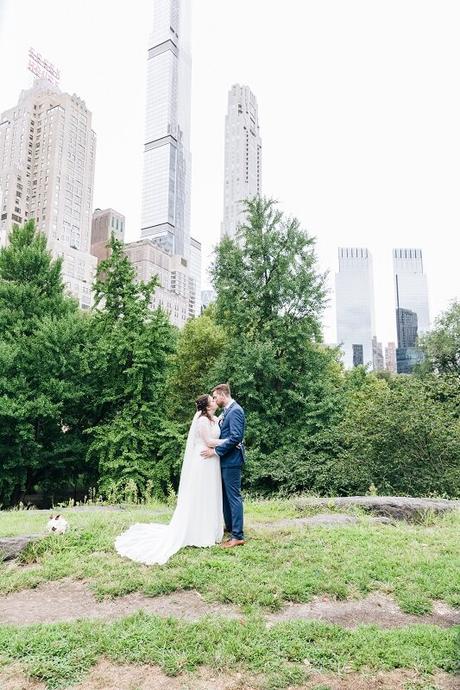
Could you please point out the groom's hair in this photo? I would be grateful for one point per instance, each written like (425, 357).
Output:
(222, 388)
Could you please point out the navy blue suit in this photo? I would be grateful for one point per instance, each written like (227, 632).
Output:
(231, 455)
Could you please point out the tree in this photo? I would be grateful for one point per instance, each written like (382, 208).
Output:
(133, 345)
(39, 326)
(199, 345)
(398, 436)
(270, 298)
(442, 345)
(31, 284)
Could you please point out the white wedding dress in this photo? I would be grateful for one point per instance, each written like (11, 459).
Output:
(198, 518)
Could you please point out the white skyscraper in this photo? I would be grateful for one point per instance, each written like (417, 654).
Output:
(354, 289)
(47, 154)
(411, 287)
(412, 310)
(243, 156)
(167, 160)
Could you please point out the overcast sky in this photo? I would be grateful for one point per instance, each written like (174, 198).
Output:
(359, 111)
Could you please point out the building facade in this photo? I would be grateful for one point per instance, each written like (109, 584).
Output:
(195, 274)
(105, 223)
(243, 156)
(47, 157)
(167, 159)
(354, 288)
(172, 293)
(412, 309)
(390, 358)
(207, 298)
(377, 355)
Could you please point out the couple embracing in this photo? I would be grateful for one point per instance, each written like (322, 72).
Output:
(209, 492)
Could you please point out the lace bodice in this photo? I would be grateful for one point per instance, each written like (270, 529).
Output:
(206, 430)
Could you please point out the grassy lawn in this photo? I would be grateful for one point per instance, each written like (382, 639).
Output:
(415, 564)
(61, 654)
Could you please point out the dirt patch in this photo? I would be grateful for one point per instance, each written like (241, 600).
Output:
(399, 679)
(69, 600)
(12, 678)
(143, 677)
(376, 609)
(107, 675)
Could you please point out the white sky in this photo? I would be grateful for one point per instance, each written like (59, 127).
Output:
(359, 109)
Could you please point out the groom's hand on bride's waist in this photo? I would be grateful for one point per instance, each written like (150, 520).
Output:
(209, 452)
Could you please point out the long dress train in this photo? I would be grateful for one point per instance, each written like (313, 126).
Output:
(197, 519)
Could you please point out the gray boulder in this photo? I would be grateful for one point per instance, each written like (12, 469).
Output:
(11, 547)
(396, 507)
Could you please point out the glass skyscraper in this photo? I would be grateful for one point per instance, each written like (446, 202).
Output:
(354, 287)
(167, 159)
(412, 311)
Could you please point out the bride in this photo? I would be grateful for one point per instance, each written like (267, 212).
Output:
(198, 518)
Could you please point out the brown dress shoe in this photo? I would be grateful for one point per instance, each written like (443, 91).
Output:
(232, 542)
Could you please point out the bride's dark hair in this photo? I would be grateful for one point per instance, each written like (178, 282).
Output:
(202, 406)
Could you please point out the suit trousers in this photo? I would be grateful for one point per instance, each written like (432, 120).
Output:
(232, 500)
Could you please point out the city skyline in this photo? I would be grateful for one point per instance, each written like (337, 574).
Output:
(374, 166)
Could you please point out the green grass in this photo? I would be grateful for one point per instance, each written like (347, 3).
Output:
(416, 564)
(61, 654)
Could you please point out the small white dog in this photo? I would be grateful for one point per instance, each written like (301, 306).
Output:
(57, 524)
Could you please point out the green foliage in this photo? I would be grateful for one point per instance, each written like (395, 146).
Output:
(31, 285)
(400, 438)
(132, 347)
(41, 337)
(270, 298)
(82, 396)
(199, 345)
(442, 345)
(105, 398)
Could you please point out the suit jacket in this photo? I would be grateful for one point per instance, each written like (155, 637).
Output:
(231, 452)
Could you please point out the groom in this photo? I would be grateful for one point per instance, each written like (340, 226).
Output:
(232, 424)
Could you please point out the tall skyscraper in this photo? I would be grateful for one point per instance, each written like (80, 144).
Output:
(412, 310)
(167, 159)
(165, 218)
(106, 223)
(47, 155)
(354, 288)
(195, 274)
(243, 156)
